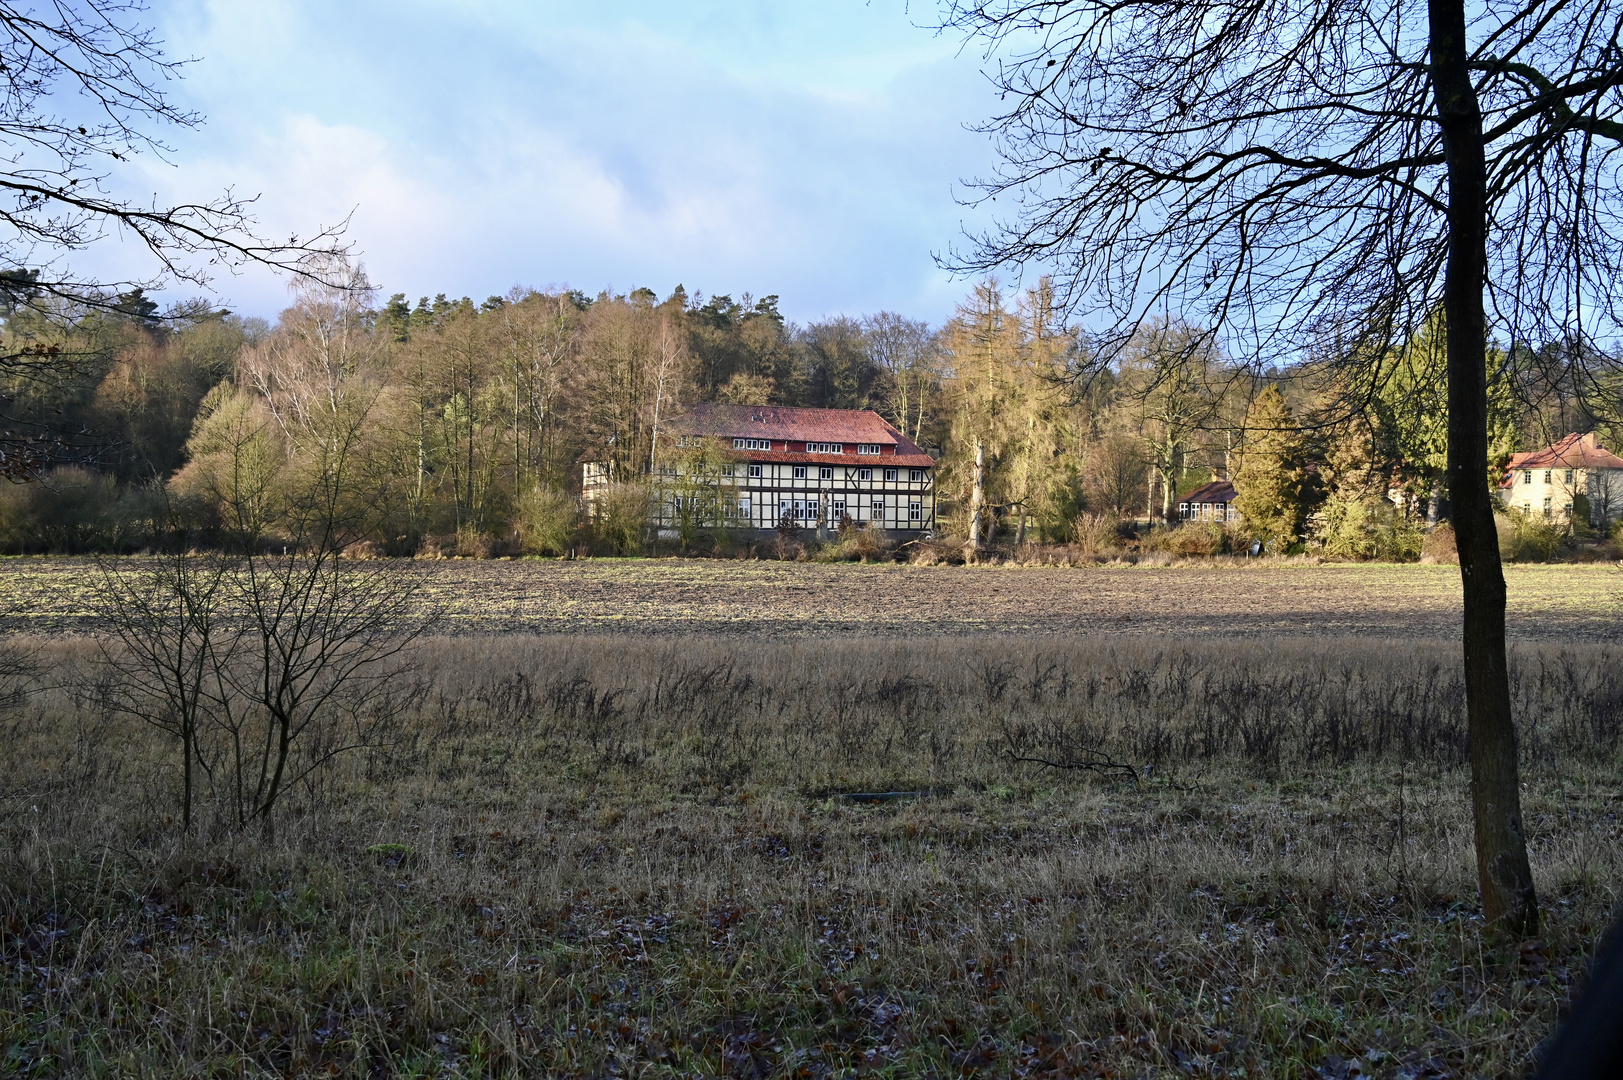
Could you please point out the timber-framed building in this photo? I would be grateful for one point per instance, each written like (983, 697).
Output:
(768, 466)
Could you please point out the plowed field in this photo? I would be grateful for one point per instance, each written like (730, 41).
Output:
(772, 599)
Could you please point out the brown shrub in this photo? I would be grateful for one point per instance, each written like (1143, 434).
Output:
(1439, 546)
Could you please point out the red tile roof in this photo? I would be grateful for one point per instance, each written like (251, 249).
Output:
(1573, 452)
(782, 424)
(917, 460)
(1218, 491)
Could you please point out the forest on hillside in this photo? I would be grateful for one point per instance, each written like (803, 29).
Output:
(458, 427)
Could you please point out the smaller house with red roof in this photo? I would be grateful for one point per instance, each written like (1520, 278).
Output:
(1213, 502)
(1549, 481)
(772, 466)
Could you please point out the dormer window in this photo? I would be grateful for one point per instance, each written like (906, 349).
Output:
(825, 448)
(869, 448)
(752, 444)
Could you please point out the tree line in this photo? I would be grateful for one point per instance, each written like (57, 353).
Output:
(460, 427)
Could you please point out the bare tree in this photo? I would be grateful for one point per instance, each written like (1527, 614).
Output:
(82, 94)
(1316, 178)
(263, 668)
(1176, 390)
(315, 665)
(906, 351)
(167, 647)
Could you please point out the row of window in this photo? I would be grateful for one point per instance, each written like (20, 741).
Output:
(1527, 476)
(1195, 511)
(808, 509)
(826, 472)
(791, 509)
(811, 447)
(1527, 507)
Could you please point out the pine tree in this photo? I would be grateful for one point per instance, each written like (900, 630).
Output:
(1270, 481)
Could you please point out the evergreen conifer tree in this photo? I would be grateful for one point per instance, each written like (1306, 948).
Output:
(1270, 480)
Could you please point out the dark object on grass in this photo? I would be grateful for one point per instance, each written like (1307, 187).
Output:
(1589, 1046)
(881, 796)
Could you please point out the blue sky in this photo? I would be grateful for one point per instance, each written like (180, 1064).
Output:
(809, 148)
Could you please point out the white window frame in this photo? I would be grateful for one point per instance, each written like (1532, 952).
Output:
(915, 476)
(755, 472)
(825, 448)
(865, 475)
(915, 511)
(752, 444)
(825, 473)
(800, 472)
(890, 475)
(870, 448)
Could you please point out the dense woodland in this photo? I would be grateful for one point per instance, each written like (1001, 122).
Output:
(458, 427)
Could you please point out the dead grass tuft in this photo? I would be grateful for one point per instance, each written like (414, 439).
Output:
(605, 855)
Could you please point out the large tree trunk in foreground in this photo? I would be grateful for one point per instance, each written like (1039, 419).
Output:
(1508, 901)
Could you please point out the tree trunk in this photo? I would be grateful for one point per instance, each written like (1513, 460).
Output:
(1434, 504)
(977, 497)
(1508, 900)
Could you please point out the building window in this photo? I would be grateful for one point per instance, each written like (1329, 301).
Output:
(915, 511)
(1183, 511)
(890, 474)
(726, 470)
(1546, 476)
(1547, 502)
(744, 507)
(755, 471)
(1527, 476)
(868, 448)
(752, 444)
(864, 474)
(878, 510)
(800, 472)
(839, 509)
(825, 473)
(916, 475)
(825, 448)
(1569, 476)
(797, 509)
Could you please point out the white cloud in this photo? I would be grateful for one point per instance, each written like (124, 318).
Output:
(547, 144)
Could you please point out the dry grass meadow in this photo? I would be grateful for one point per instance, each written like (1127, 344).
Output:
(595, 853)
